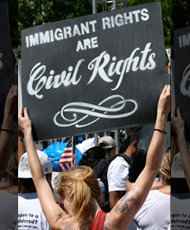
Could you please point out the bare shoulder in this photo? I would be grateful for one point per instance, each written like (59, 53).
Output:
(68, 223)
(63, 222)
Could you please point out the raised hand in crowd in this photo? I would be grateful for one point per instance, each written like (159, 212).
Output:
(125, 209)
(178, 124)
(45, 194)
(79, 190)
(11, 103)
(10, 110)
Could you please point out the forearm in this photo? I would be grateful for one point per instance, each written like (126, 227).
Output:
(52, 211)
(156, 147)
(35, 165)
(130, 186)
(154, 157)
(185, 155)
(4, 141)
(21, 148)
(129, 204)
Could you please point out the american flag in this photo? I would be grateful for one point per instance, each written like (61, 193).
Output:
(67, 159)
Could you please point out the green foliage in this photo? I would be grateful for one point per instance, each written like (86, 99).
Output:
(35, 12)
(166, 16)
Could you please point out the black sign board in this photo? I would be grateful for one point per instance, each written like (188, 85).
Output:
(181, 70)
(95, 72)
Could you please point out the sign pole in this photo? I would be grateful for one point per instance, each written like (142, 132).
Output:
(93, 6)
(114, 5)
(116, 132)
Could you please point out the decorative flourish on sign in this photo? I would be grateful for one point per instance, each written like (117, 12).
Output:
(82, 114)
(185, 83)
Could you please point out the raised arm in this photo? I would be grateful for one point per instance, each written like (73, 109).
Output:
(52, 211)
(182, 145)
(7, 126)
(126, 208)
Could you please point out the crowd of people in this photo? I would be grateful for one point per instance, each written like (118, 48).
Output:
(109, 188)
(98, 194)
(128, 189)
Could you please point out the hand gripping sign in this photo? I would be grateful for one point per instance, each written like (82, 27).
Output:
(95, 72)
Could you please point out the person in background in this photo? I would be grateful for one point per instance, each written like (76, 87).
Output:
(151, 215)
(91, 152)
(184, 151)
(108, 147)
(97, 156)
(79, 188)
(8, 162)
(8, 131)
(138, 163)
(108, 144)
(180, 199)
(118, 170)
(30, 214)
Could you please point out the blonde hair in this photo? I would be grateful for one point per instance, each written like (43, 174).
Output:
(81, 188)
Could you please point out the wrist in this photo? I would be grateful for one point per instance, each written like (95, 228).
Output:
(160, 131)
(162, 115)
(27, 133)
(161, 122)
(7, 131)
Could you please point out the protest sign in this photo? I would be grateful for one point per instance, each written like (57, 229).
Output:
(181, 70)
(95, 72)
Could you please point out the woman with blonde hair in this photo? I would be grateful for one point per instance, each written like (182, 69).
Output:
(79, 189)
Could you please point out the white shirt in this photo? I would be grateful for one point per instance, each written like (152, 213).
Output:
(118, 172)
(30, 214)
(155, 212)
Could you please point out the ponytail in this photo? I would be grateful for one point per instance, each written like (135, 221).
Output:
(81, 188)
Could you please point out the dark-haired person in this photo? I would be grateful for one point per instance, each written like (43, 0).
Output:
(108, 147)
(118, 170)
(79, 187)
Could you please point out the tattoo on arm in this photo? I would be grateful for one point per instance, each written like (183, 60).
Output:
(122, 205)
(123, 212)
(127, 204)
